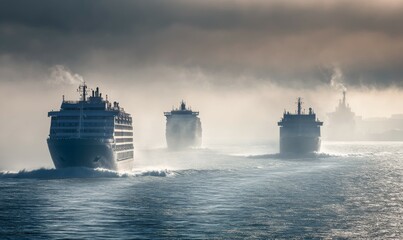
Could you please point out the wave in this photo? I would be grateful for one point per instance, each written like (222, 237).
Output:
(81, 172)
(322, 155)
(314, 155)
(155, 173)
(186, 172)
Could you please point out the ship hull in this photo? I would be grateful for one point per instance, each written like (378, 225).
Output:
(299, 144)
(90, 153)
(180, 142)
(183, 133)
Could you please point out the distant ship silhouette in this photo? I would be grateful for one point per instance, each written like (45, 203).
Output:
(342, 124)
(183, 128)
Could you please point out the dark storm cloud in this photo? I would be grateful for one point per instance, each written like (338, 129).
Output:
(293, 43)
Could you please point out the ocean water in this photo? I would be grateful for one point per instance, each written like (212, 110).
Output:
(349, 190)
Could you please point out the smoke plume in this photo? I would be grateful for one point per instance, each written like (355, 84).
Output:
(337, 79)
(61, 75)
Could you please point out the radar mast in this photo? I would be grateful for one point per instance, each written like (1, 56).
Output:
(82, 89)
(299, 105)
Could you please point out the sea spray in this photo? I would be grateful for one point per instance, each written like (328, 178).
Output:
(81, 172)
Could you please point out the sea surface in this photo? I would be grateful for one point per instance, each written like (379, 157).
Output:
(348, 190)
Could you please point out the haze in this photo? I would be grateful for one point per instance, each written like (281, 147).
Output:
(240, 63)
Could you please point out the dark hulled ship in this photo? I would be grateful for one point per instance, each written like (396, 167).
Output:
(341, 122)
(183, 128)
(91, 132)
(299, 132)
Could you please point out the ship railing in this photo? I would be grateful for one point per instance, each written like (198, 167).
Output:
(71, 102)
(107, 108)
(179, 112)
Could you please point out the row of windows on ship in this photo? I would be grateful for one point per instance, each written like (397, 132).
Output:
(106, 132)
(125, 155)
(121, 120)
(124, 147)
(90, 124)
(74, 125)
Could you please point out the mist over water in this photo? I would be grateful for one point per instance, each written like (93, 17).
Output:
(243, 112)
(348, 190)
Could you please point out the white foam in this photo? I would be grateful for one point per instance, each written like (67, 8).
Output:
(80, 172)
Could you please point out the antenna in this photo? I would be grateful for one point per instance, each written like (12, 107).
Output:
(82, 89)
(299, 105)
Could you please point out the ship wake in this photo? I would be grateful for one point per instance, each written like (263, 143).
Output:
(81, 172)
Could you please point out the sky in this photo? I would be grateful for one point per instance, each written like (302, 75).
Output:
(240, 63)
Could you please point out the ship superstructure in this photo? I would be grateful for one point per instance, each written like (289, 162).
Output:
(341, 122)
(91, 132)
(299, 132)
(183, 128)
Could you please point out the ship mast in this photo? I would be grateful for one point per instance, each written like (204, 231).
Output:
(299, 106)
(83, 92)
(82, 89)
(183, 106)
(80, 122)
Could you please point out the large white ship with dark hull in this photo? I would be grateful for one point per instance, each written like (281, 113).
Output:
(91, 132)
(183, 128)
(299, 132)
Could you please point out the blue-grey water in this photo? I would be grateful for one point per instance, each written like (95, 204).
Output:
(349, 190)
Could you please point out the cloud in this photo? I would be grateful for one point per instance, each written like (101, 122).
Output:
(284, 42)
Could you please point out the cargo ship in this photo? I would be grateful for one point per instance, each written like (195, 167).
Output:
(341, 125)
(183, 128)
(299, 132)
(91, 132)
